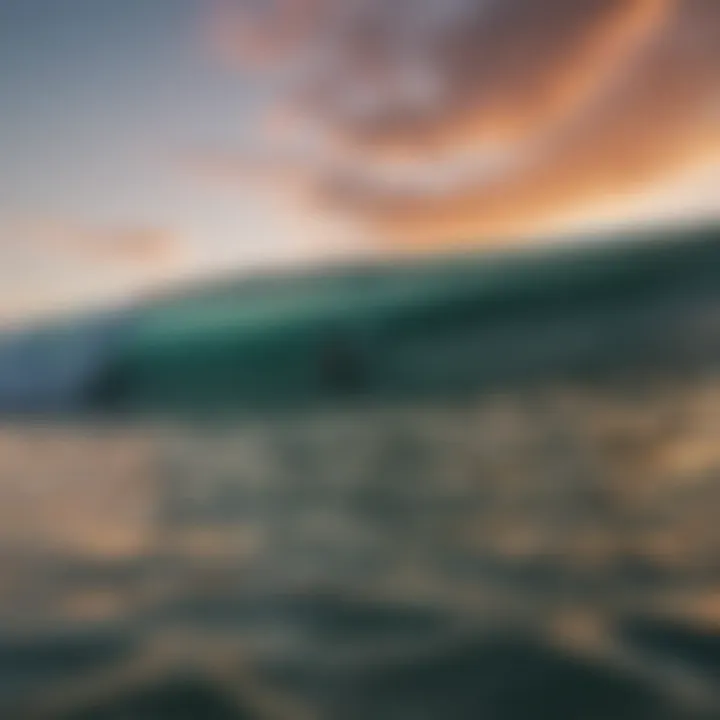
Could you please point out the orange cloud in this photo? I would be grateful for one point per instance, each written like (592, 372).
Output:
(665, 118)
(142, 246)
(434, 122)
(513, 78)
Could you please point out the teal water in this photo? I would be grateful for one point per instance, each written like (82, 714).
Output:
(537, 554)
(473, 488)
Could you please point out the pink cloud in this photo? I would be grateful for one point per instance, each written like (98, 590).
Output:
(469, 118)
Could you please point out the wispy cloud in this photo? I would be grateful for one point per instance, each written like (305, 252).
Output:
(132, 246)
(476, 118)
(56, 265)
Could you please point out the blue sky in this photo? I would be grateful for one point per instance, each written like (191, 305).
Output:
(103, 104)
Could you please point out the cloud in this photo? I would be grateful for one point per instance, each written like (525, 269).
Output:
(57, 265)
(130, 247)
(473, 118)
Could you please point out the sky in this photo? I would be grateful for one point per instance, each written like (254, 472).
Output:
(143, 142)
(103, 107)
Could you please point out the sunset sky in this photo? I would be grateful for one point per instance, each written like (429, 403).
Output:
(143, 141)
